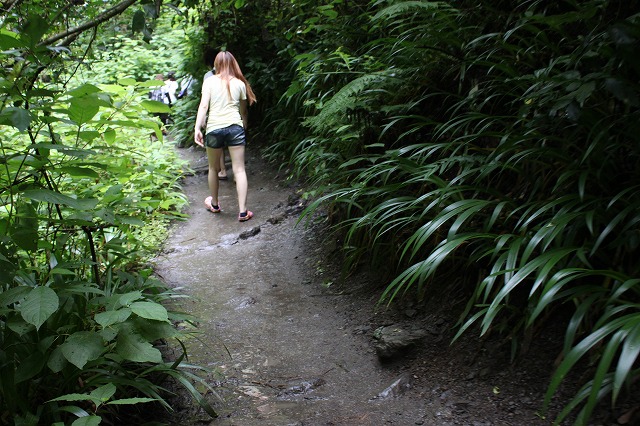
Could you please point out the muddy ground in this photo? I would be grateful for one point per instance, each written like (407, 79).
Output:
(289, 342)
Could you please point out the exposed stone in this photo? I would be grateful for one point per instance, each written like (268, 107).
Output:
(410, 313)
(274, 220)
(394, 341)
(246, 302)
(250, 233)
(302, 388)
(397, 388)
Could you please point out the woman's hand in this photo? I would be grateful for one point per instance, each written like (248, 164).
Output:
(198, 139)
(200, 118)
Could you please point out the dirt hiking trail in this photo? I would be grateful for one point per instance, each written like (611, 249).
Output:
(292, 346)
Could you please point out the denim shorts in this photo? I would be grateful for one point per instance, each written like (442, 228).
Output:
(227, 136)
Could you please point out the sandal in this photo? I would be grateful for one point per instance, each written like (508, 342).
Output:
(225, 177)
(211, 207)
(246, 217)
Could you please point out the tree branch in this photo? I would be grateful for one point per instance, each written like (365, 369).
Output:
(72, 33)
(10, 4)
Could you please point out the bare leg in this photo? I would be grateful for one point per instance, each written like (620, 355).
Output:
(240, 175)
(223, 168)
(213, 157)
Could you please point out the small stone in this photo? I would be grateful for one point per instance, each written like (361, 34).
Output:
(410, 313)
(250, 233)
(245, 303)
(397, 388)
(274, 220)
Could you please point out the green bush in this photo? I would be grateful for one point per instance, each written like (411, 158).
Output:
(83, 169)
(493, 140)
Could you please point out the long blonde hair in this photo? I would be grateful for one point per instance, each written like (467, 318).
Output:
(226, 68)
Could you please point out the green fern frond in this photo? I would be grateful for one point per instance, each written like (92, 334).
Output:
(347, 98)
(398, 9)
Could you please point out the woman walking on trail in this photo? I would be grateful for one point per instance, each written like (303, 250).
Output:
(225, 96)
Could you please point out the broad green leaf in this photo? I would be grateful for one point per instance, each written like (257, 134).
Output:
(330, 13)
(155, 106)
(128, 220)
(48, 196)
(78, 218)
(87, 421)
(107, 318)
(30, 366)
(133, 347)
(67, 150)
(9, 40)
(33, 29)
(109, 136)
(82, 110)
(18, 325)
(104, 392)
(39, 305)
(13, 295)
(127, 298)
(82, 347)
(21, 119)
(127, 81)
(106, 214)
(46, 342)
(585, 90)
(84, 90)
(150, 83)
(152, 331)
(24, 230)
(138, 21)
(130, 401)
(89, 135)
(79, 171)
(150, 310)
(56, 361)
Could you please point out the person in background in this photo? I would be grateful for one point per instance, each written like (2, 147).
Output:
(185, 86)
(171, 88)
(225, 96)
(159, 94)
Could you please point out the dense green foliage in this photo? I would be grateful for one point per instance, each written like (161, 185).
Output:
(84, 196)
(495, 138)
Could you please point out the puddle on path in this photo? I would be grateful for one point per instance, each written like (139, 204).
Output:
(285, 353)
